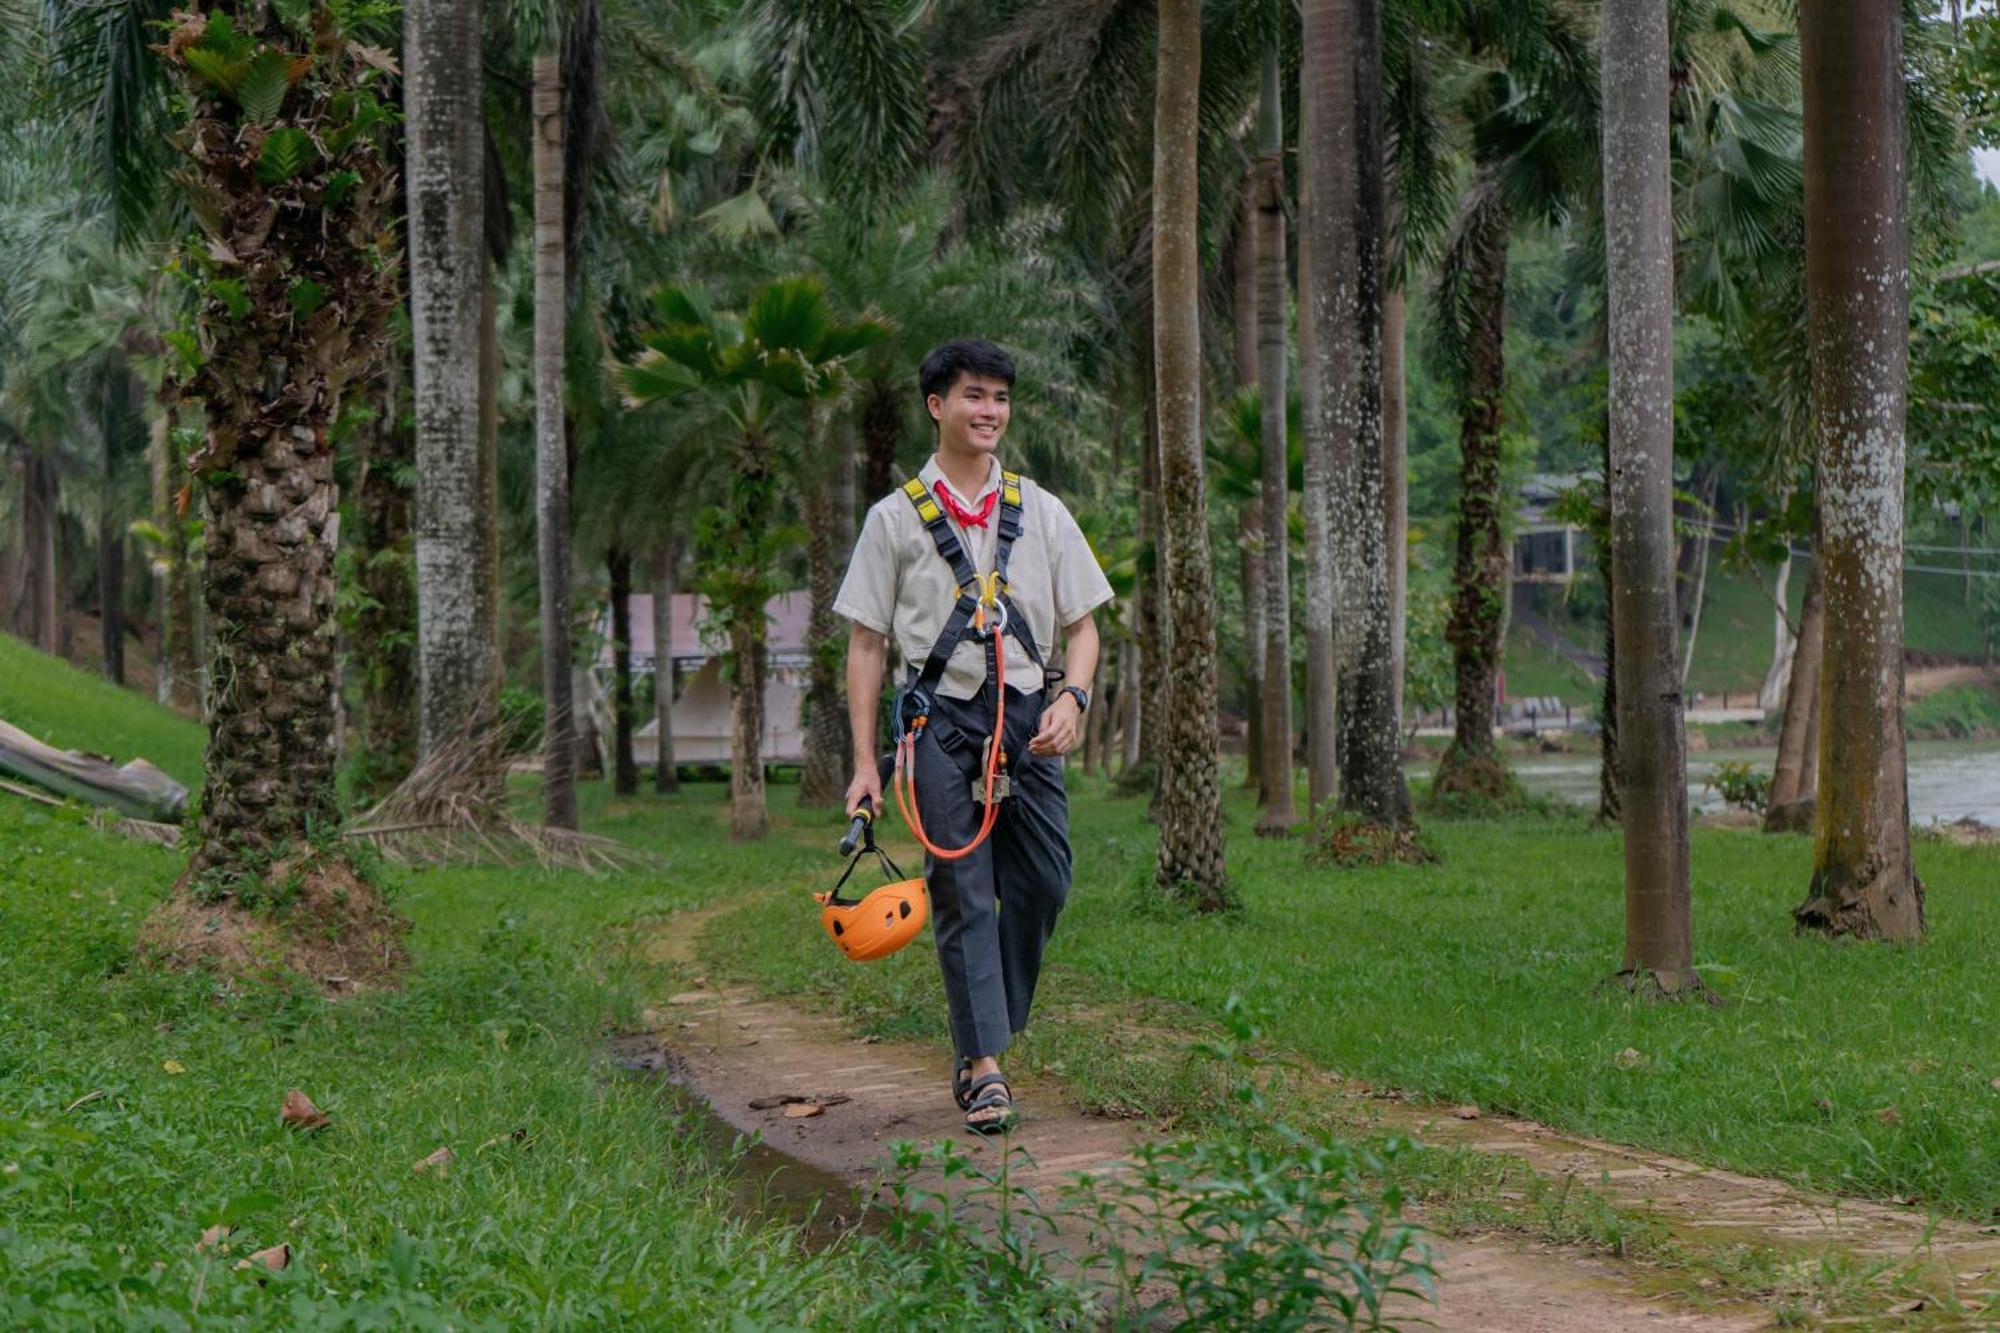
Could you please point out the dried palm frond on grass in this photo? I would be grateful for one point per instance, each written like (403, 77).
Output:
(453, 808)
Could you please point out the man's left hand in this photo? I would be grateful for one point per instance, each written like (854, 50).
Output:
(1058, 732)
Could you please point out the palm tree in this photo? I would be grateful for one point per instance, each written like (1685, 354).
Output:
(1857, 301)
(446, 191)
(1190, 863)
(294, 275)
(1794, 773)
(1639, 262)
(1344, 213)
(552, 451)
(1275, 707)
(786, 346)
(1531, 109)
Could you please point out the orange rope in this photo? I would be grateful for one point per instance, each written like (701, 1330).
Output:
(906, 762)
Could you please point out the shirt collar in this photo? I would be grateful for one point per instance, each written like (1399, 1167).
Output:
(932, 474)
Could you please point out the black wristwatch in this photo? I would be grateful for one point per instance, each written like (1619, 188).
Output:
(1082, 697)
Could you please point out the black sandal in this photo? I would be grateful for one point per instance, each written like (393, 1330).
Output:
(985, 1094)
(961, 1084)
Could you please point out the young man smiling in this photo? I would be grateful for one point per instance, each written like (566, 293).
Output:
(964, 515)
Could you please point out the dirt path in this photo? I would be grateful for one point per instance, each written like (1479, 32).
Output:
(733, 1048)
(1921, 681)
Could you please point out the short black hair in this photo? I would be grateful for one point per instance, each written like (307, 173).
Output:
(963, 356)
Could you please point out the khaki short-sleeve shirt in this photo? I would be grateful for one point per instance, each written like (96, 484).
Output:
(898, 585)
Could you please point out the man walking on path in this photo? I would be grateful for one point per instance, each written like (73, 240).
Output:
(964, 538)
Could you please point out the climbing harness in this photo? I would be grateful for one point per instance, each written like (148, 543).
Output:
(986, 614)
(884, 920)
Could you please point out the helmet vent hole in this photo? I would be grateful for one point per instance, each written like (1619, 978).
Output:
(838, 929)
(903, 908)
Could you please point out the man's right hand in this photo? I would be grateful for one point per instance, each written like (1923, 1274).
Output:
(867, 785)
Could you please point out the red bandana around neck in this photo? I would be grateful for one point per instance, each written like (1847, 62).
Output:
(966, 518)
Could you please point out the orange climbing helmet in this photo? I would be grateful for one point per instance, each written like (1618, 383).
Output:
(881, 922)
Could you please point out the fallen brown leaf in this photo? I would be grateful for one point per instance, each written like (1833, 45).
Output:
(376, 56)
(822, 1099)
(804, 1110)
(1825, 1106)
(1995, 1085)
(1889, 1115)
(300, 1113)
(1466, 1112)
(1629, 1058)
(212, 1237)
(439, 1161)
(275, 1258)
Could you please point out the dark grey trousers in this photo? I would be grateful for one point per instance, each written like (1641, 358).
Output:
(992, 911)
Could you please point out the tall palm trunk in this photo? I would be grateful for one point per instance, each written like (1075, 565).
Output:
(752, 498)
(828, 746)
(1857, 328)
(559, 759)
(1249, 518)
(111, 538)
(1792, 776)
(666, 773)
(1155, 630)
(1130, 701)
(1480, 572)
(1639, 287)
(1784, 642)
(1610, 768)
(446, 180)
(1190, 864)
(382, 635)
(1344, 53)
(1279, 813)
(1250, 575)
(625, 771)
(1319, 237)
(1396, 487)
(271, 385)
(881, 429)
(42, 519)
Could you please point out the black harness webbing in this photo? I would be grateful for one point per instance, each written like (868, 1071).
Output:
(959, 624)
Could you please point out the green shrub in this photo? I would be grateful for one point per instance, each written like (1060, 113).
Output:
(1741, 785)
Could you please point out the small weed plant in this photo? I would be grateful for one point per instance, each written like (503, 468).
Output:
(1741, 785)
(1260, 1227)
(1346, 841)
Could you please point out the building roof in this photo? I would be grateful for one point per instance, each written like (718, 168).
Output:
(788, 614)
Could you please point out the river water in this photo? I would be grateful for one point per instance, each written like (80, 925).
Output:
(1949, 780)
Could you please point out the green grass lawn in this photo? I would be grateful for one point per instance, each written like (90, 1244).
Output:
(138, 1108)
(1474, 980)
(59, 704)
(1534, 672)
(1733, 648)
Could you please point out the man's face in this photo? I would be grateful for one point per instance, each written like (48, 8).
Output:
(972, 415)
